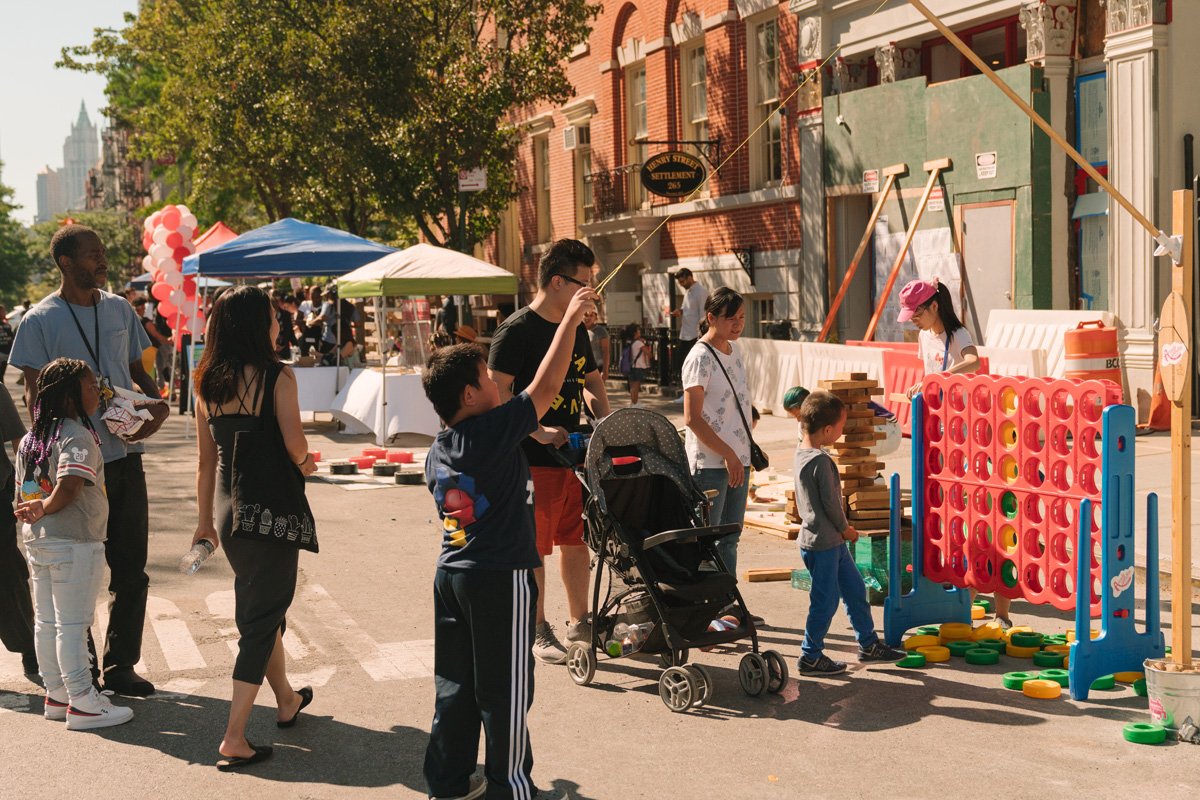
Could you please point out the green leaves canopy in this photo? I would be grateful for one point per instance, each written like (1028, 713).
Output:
(356, 114)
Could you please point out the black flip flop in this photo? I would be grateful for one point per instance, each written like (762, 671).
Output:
(306, 697)
(237, 762)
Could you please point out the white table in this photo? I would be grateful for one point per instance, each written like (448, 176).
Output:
(359, 406)
(318, 386)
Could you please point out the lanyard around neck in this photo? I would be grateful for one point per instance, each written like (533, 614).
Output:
(82, 335)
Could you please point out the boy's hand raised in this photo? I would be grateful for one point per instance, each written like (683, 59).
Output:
(583, 302)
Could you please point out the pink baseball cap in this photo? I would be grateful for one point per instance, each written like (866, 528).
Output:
(914, 295)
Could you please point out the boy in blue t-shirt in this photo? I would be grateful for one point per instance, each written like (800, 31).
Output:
(484, 591)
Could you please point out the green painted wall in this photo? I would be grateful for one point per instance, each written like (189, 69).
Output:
(913, 123)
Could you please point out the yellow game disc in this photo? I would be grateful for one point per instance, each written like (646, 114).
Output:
(1058, 648)
(953, 631)
(977, 612)
(1021, 652)
(916, 642)
(934, 653)
(1129, 677)
(1007, 635)
(988, 630)
(1041, 689)
(1071, 634)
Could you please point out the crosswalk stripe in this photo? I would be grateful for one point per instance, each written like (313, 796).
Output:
(180, 687)
(414, 659)
(178, 647)
(353, 638)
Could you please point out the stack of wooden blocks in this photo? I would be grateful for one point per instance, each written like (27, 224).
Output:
(866, 499)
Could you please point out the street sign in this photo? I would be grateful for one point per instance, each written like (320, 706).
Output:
(870, 181)
(1174, 364)
(937, 199)
(472, 180)
(673, 174)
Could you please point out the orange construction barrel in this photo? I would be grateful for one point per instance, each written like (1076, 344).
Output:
(1091, 353)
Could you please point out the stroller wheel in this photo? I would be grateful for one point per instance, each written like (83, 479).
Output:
(752, 674)
(777, 671)
(581, 663)
(677, 688)
(673, 658)
(705, 685)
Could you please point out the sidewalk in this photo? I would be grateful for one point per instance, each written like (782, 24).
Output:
(777, 437)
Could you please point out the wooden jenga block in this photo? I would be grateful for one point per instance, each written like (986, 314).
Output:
(877, 501)
(852, 438)
(837, 385)
(869, 513)
(843, 459)
(850, 376)
(849, 451)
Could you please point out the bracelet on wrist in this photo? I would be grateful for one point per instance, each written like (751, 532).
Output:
(305, 461)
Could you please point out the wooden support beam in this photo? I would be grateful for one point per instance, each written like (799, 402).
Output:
(1184, 223)
(935, 168)
(891, 173)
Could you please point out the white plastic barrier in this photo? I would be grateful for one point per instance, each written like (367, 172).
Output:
(773, 367)
(1014, 362)
(1038, 330)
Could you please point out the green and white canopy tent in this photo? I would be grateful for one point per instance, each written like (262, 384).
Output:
(418, 271)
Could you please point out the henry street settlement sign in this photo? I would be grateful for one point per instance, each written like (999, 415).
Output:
(672, 174)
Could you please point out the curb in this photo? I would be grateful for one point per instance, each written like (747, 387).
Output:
(1164, 578)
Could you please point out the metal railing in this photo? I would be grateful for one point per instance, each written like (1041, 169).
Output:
(611, 190)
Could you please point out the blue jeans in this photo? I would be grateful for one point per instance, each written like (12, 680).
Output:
(66, 580)
(729, 506)
(834, 574)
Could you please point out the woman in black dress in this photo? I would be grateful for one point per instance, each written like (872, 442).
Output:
(238, 373)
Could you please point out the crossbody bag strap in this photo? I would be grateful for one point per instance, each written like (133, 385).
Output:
(266, 414)
(736, 401)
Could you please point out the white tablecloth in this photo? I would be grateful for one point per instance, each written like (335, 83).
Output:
(317, 386)
(359, 406)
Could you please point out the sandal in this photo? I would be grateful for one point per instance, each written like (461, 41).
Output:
(306, 697)
(231, 763)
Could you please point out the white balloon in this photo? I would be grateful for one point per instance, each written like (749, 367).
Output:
(160, 235)
(189, 307)
(190, 246)
(160, 252)
(165, 265)
(147, 226)
(185, 231)
(195, 326)
(183, 210)
(176, 298)
(189, 219)
(148, 264)
(174, 279)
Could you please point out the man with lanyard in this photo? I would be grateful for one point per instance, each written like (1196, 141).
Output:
(689, 315)
(518, 348)
(83, 321)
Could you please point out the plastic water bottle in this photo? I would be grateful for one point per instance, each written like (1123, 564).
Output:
(199, 553)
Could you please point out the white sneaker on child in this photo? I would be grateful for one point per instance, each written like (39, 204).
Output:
(94, 710)
(55, 709)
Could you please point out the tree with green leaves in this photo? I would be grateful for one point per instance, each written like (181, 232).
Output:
(14, 261)
(356, 115)
(121, 236)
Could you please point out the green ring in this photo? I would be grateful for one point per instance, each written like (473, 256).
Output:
(983, 603)
(912, 661)
(1139, 687)
(1026, 639)
(1008, 573)
(1055, 638)
(982, 655)
(960, 648)
(1016, 680)
(1060, 676)
(1008, 504)
(992, 644)
(1104, 682)
(928, 630)
(1144, 733)
(1048, 658)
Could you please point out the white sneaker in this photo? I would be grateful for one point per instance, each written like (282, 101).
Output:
(55, 709)
(478, 787)
(94, 710)
(546, 647)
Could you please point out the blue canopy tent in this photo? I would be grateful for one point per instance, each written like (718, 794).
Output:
(288, 248)
(144, 280)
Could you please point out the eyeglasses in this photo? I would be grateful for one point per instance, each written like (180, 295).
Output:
(572, 280)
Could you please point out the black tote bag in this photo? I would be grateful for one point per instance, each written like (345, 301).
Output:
(269, 504)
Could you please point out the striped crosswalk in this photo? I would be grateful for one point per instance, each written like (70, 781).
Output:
(186, 647)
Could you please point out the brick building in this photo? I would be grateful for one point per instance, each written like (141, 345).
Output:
(781, 220)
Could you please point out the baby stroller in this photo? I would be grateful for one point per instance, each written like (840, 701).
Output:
(647, 523)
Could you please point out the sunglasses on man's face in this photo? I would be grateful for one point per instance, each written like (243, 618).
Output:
(572, 280)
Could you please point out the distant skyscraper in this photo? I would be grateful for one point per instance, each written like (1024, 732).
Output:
(81, 151)
(49, 195)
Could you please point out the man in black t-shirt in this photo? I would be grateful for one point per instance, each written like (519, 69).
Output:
(517, 350)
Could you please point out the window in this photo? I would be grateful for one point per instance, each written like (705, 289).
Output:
(767, 144)
(541, 149)
(638, 129)
(695, 95)
(1000, 44)
(583, 171)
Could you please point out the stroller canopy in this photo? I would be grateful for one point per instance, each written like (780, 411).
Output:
(652, 437)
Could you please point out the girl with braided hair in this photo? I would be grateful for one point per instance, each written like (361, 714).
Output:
(61, 501)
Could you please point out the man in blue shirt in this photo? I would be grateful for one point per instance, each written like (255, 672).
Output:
(83, 321)
(484, 591)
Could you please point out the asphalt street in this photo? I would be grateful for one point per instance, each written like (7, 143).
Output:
(360, 633)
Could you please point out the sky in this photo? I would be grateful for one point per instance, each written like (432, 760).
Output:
(38, 103)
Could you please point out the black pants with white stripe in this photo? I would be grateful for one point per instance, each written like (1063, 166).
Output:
(483, 675)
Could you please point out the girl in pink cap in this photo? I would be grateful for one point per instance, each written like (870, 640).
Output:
(943, 344)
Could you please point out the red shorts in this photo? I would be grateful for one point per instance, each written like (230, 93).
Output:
(557, 508)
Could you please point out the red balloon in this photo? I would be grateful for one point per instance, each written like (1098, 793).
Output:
(189, 286)
(180, 254)
(174, 240)
(147, 241)
(160, 292)
(168, 310)
(170, 218)
(156, 276)
(155, 218)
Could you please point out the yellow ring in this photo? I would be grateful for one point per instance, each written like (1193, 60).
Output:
(916, 642)
(1020, 652)
(1129, 677)
(977, 612)
(1042, 689)
(934, 653)
(1071, 634)
(988, 630)
(1065, 649)
(1018, 629)
(953, 631)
